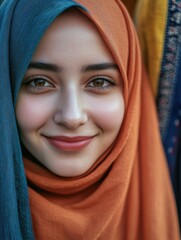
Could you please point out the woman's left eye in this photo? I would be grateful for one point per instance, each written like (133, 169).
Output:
(101, 83)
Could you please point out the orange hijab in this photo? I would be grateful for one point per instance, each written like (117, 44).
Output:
(127, 194)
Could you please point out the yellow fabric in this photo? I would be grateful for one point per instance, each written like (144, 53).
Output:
(150, 19)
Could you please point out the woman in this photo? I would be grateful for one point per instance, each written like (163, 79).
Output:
(86, 121)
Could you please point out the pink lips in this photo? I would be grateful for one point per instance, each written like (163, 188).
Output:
(69, 143)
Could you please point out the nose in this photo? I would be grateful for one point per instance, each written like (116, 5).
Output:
(70, 111)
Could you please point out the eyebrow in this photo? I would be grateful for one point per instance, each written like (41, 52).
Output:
(87, 68)
(99, 66)
(45, 66)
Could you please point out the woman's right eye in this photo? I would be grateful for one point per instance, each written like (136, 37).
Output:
(38, 84)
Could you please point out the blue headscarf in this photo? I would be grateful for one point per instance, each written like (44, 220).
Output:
(22, 24)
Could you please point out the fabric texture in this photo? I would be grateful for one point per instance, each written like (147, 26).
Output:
(173, 140)
(161, 47)
(168, 99)
(14, 206)
(130, 5)
(150, 19)
(127, 194)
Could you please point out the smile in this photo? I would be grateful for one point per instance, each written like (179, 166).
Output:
(69, 144)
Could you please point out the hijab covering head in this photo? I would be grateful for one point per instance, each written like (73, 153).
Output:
(128, 194)
(21, 26)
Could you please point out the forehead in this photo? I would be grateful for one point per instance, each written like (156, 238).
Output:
(72, 36)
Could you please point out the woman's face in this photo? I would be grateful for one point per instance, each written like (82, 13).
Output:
(70, 106)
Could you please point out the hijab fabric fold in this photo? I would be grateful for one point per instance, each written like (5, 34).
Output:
(14, 205)
(127, 194)
(159, 28)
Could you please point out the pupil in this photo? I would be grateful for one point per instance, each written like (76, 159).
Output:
(40, 82)
(98, 82)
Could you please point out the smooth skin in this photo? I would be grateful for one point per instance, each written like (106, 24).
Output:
(70, 105)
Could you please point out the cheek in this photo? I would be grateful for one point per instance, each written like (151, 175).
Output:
(31, 112)
(109, 113)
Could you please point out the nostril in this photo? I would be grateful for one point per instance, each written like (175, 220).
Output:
(57, 117)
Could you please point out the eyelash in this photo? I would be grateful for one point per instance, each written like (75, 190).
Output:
(105, 80)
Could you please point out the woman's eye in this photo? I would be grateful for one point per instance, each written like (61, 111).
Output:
(101, 83)
(39, 82)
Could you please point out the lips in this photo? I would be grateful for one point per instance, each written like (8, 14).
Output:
(69, 144)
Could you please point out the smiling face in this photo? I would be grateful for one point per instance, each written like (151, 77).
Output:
(70, 106)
